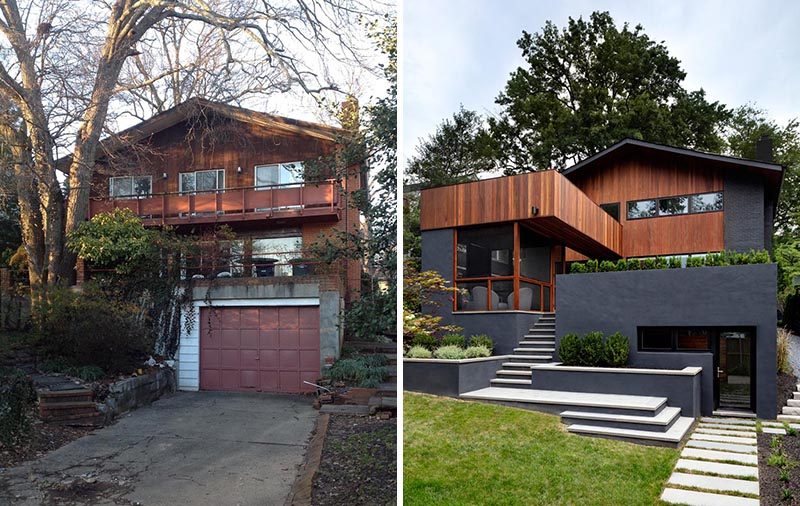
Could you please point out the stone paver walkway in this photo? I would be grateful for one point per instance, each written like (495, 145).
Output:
(718, 465)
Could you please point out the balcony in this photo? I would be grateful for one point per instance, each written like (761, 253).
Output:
(289, 202)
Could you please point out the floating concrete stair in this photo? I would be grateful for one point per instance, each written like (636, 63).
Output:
(658, 423)
(672, 437)
(511, 382)
(536, 347)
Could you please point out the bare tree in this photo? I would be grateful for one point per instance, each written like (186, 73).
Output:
(63, 63)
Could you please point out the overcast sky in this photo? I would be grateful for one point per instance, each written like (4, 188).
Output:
(462, 51)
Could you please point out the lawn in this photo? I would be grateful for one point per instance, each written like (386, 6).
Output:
(458, 452)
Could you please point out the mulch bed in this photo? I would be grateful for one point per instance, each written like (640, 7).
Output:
(42, 439)
(787, 383)
(771, 488)
(359, 462)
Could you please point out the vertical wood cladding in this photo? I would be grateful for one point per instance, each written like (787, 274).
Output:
(622, 179)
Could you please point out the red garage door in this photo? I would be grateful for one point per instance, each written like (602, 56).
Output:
(266, 349)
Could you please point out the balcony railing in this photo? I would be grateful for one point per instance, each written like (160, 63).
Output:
(242, 203)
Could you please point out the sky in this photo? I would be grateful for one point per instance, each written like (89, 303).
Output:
(462, 51)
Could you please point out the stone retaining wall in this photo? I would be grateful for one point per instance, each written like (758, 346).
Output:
(137, 391)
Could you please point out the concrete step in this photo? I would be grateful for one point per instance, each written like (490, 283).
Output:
(704, 429)
(727, 421)
(736, 414)
(554, 401)
(702, 466)
(789, 418)
(796, 395)
(660, 422)
(540, 334)
(521, 365)
(539, 359)
(714, 483)
(788, 410)
(700, 436)
(728, 428)
(693, 498)
(720, 456)
(723, 447)
(795, 403)
(537, 348)
(543, 342)
(533, 353)
(510, 382)
(506, 372)
(671, 437)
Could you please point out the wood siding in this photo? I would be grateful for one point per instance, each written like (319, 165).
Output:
(564, 212)
(622, 179)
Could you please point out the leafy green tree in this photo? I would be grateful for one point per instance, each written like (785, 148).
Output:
(459, 150)
(590, 84)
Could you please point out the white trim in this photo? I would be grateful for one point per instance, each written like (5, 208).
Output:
(189, 345)
(686, 371)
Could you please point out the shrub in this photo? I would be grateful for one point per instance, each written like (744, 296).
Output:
(364, 370)
(782, 351)
(17, 397)
(674, 263)
(592, 266)
(694, 261)
(424, 340)
(649, 264)
(477, 352)
(615, 350)
(481, 340)
(592, 349)
(449, 352)
(86, 372)
(419, 352)
(454, 340)
(622, 265)
(569, 349)
(90, 329)
(607, 266)
(577, 268)
(634, 264)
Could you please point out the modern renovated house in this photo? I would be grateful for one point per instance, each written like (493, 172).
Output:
(702, 340)
(267, 318)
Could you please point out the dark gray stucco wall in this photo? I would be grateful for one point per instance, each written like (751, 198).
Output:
(744, 207)
(506, 328)
(449, 378)
(742, 295)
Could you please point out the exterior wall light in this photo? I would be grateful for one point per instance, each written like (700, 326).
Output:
(534, 210)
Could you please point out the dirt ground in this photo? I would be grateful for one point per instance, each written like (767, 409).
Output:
(359, 462)
(41, 440)
(770, 485)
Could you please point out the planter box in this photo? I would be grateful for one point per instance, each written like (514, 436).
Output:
(680, 386)
(449, 377)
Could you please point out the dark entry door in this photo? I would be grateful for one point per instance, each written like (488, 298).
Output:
(734, 371)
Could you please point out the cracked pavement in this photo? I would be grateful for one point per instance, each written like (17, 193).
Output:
(200, 448)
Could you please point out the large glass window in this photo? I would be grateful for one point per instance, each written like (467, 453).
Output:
(485, 251)
(706, 202)
(130, 186)
(534, 255)
(675, 338)
(672, 206)
(655, 338)
(272, 256)
(201, 180)
(278, 174)
(642, 209)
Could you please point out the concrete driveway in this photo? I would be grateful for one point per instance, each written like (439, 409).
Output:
(203, 448)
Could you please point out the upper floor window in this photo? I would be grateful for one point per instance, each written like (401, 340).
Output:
(202, 180)
(130, 186)
(672, 206)
(612, 209)
(278, 174)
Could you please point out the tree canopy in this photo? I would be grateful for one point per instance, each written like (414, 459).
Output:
(591, 84)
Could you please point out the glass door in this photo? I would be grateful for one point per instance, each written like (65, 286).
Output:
(734, 370)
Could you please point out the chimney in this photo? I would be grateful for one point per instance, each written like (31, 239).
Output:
(348, 114)
(764, 149)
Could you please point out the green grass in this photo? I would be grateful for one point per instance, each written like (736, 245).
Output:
(458, 452)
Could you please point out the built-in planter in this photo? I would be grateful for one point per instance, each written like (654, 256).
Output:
(450, 377)
(681, 387)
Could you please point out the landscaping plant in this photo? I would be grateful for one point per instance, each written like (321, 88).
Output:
(569, 349)
(17, 397)
(592, 349)
(477, 352)
(449, 353)
(423, 340)
(615, 350)
(454, 340)
(482, 340)
(419, 352)
(723, 258)
(366, 371)
(782, 351)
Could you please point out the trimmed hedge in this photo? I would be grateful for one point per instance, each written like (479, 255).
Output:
(592, 350)
(721, 259)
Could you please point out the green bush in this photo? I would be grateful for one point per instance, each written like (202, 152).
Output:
(607, 266)
(454, 340)
(91, 329)
(366, 371)
(577, 268)
(86, 372)
(449, 352)
(722, 258)
(675, 263)
(592, 349)
(17, 397)
(424, 340)
(616, 350)
(592, 265)
(477, 352)
(622, 265)
(649, 264)
(634, 264)
(419, 352)
(569, 349)
(694, 261)
(482, 340)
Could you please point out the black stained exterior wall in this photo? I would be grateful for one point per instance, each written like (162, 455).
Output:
(506, 328)
(742, 295)
(449, 378)
(747, 225)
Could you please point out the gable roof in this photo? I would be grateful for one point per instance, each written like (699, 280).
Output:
(197, 106)
(768, 167)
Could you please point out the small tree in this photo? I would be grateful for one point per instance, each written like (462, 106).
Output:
(423, 291)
